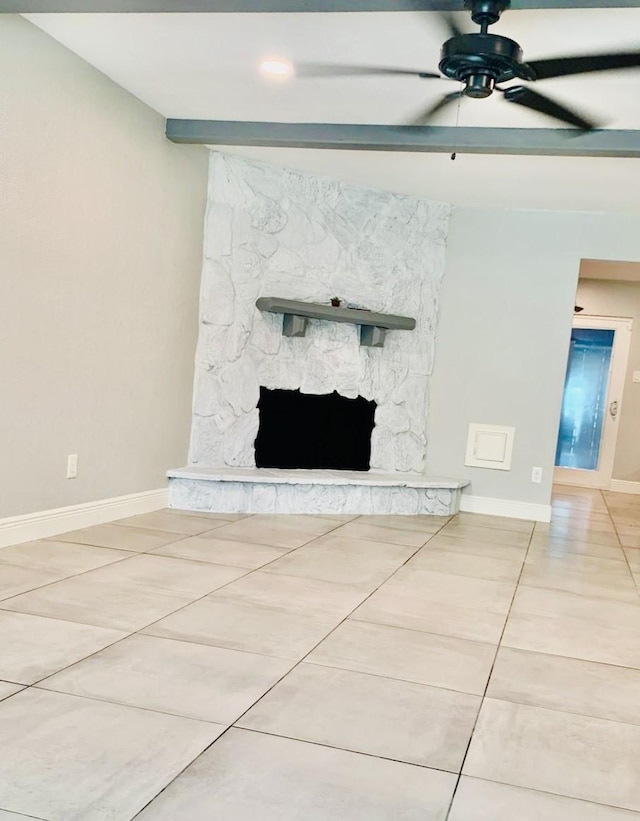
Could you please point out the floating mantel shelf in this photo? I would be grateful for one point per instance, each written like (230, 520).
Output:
(373, 326)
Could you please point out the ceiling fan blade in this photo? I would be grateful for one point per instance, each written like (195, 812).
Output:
(563, 66)
(425, 116)
(449, 21)
(312, 70)
(520, 95)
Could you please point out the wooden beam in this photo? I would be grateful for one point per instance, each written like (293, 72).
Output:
(557, 142)
(266, 6)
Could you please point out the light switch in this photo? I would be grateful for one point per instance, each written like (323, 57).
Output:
(489, 446)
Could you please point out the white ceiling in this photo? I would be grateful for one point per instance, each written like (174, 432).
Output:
(205, 66)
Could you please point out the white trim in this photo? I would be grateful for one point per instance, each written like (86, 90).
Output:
(622, 486)
(505, 507)
(18, 529)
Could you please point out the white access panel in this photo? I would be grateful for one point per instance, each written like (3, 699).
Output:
(489, 446)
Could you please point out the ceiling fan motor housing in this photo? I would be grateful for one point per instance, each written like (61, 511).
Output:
(486, 12)
(482, 60)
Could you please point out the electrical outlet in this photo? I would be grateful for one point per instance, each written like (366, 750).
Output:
(72, 466)
(536, 475)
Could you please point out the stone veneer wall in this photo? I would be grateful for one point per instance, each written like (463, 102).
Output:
(275, 232)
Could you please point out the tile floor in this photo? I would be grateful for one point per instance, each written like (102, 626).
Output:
(325, 668)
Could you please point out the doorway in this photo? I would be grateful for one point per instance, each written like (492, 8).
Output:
(592, 400)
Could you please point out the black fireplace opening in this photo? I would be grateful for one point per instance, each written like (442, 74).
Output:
(302, 430)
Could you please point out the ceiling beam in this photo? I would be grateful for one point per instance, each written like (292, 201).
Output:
(556, 142)
(50, 6)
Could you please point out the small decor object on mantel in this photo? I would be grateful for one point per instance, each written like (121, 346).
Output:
(336, 301)
(373, 325)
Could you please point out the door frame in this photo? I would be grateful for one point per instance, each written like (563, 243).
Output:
(601, 477)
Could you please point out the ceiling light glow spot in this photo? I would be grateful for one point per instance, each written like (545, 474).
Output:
(276, 68)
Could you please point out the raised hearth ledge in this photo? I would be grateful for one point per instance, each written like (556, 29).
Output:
(269, 490)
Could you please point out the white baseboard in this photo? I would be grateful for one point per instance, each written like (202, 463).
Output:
(622, 486)
(18, 529)
(505, 507)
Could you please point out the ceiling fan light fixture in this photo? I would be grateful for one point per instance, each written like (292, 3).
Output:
(276, 68)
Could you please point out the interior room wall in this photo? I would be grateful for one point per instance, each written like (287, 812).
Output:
(100, 256)
(606, 298)
(505, 322)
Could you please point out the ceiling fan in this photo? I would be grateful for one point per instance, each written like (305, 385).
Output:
(481, 60)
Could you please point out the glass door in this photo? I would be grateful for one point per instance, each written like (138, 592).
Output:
(591, 401)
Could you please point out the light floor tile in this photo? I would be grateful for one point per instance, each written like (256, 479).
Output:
(369, 714)
(172, 521)
(563, 624)
(67, 558)
(168, 574)
(103, 604)
(571, 685)
(626, 517)
(577, 756)
(558, 603)
(248, 627)
(496, 522)
(575, 638)
(8, 688)
(478, 800)
(278, 531)
(32, 647)
(178, 677)
(293, 593)
(423, 523)
(556, 547)
(133, 539)
(16, 579)
(346, 561)
(561, 511)
(568, 530)
(65, 758)
(485, 595)
(209, 514)
(424, 658)
(485, 534)
(396, 608)
(247, 776)
(578, 525)
(208, 548)
(400, 679)
(474, 547)
(13, 816)
(629, 535)
(378, 533)
(442, 560)
(584, 575)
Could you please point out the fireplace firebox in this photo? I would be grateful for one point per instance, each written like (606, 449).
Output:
(307, 431)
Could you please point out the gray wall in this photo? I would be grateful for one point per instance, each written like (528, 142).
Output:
(505, 322)
(100, 253)
(621, 299)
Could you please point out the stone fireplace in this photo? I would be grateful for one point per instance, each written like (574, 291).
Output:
(276, 232)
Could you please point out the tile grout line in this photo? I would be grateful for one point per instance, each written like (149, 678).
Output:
(295, 666)
(139, 630)
(130, 554)
(624, 552)
(484, 695)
